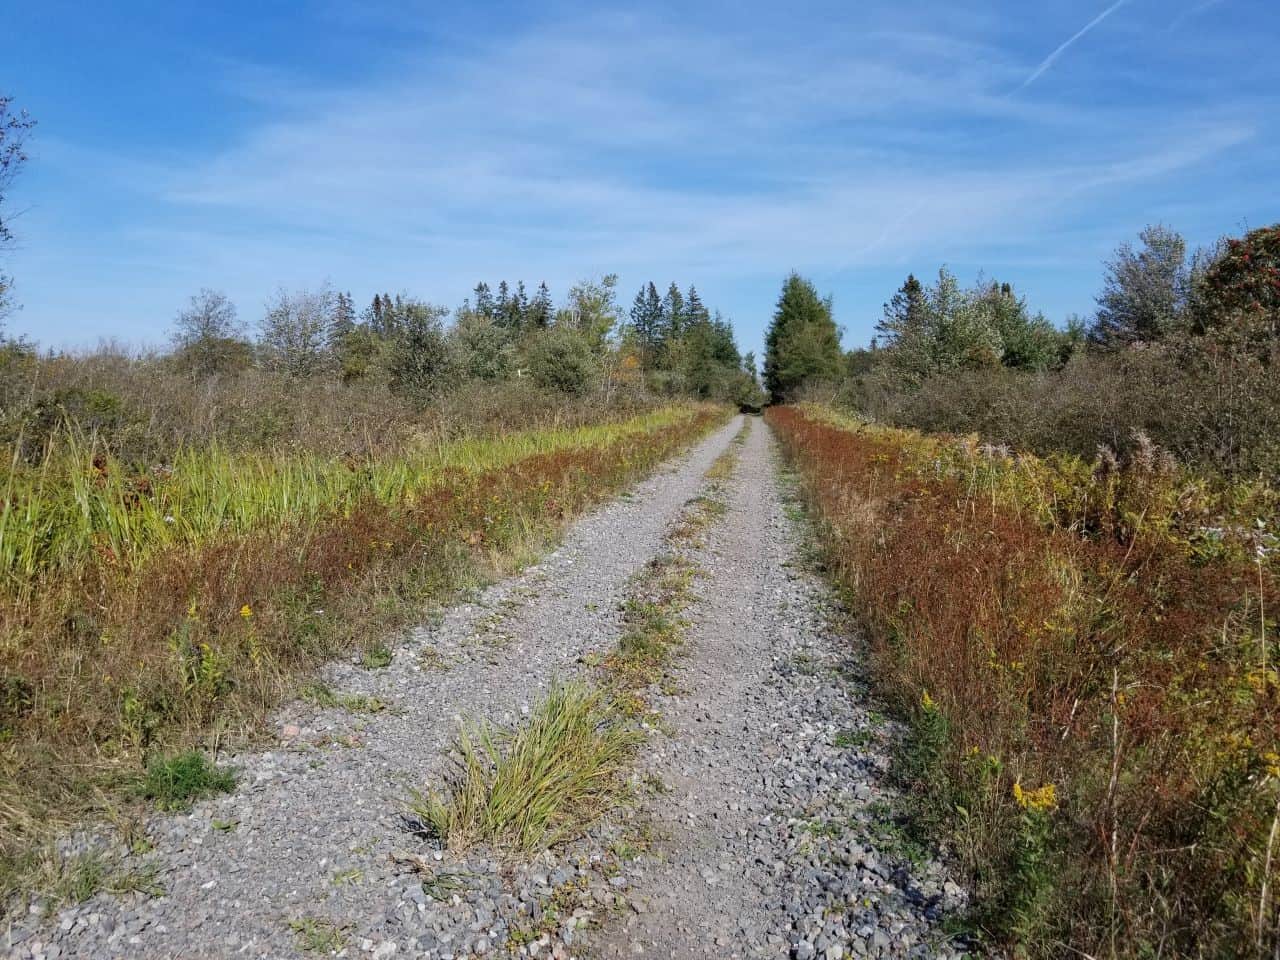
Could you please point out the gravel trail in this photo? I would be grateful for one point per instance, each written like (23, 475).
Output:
(305, 845)
(780, 837)
(764, 828)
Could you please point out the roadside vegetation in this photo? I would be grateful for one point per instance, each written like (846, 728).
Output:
(1062, 543)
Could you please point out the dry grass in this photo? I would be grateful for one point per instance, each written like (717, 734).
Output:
(1087, 654)
(190, 637)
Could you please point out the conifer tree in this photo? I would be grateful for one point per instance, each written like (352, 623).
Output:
(538, 316)
(802, 342)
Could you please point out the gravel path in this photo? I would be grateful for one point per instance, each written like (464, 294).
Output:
(774, 833)
(780, 834)
(305, 844)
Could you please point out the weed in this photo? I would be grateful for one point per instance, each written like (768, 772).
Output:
(174, 783)
(322, 695)
(377, 658)
(539, 784)
(318, 935)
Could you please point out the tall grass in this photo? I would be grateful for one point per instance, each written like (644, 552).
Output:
(537, 785)
(79, 504)
(1087, 655)
(127, 634)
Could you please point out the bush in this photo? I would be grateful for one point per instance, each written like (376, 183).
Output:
(561, 359)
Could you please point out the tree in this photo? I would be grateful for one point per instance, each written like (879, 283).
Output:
(1239, 296)
(14, 127)
(673, 318)
(484, 301)
(562, 359)
(208, 337)
(480, 348)
(646, 322)
(592, 310)
(1027, 342)
(419, 355)
(297, 331)
(802, 342)
(344, 318)
(1145, 294)
(904, 330)
(538, 316)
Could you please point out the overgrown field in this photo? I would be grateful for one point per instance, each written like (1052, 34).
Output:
(146, 611)
(1087, 655)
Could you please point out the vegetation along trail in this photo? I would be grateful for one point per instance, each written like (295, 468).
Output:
(746, 816)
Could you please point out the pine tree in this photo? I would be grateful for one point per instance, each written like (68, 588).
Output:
(344, 318)
(538, 316)
(802, 342)
(484, 300)
(673, 318)
(646, 322)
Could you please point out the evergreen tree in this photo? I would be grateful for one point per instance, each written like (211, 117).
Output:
(344, 318)
(484, 300)
(673, 319)
(802, 342)
(538, 316)
(646, 322)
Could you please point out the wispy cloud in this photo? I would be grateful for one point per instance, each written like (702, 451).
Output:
(1052, 58)
(1193, 11)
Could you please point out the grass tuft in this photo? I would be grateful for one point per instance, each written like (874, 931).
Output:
(538, 785)
(174, 783)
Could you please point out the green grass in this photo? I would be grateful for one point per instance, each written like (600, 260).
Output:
(174, 783)
(377, 658)
(322, 695)
(317, 935)
(538, 785)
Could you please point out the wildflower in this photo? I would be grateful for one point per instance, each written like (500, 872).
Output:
(926, 701)
(1272, 761)
(1040, 799)
(246, 611)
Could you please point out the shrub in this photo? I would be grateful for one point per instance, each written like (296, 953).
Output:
(561, 359)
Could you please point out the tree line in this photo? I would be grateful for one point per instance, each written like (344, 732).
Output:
(1180, 349)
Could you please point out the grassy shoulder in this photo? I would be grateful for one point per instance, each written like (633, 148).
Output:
(1086, 653)
(114, 657)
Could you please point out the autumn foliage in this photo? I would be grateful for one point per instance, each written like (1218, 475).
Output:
(1087, 653)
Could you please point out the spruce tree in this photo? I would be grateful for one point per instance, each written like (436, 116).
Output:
(802, 342)
(538, 316)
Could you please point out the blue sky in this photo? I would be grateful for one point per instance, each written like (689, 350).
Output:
(421, 147)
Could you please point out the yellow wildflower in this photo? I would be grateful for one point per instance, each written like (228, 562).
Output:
(246, 611)
(1272, 760)
(1042, 798)
(926, 701)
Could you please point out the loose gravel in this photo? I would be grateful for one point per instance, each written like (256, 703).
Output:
(761, 825)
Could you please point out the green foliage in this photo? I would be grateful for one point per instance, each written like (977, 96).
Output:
(176, 782)
(1146, 292)
(802, 343)
(562, 359)
(1240, 296)
(419, 355)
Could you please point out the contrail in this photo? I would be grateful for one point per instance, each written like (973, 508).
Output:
(1049, 60)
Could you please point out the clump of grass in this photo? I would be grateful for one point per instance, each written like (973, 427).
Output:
(377, 658)
(323, 695)
(318, 935)
(539, 784)
(174, 783)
